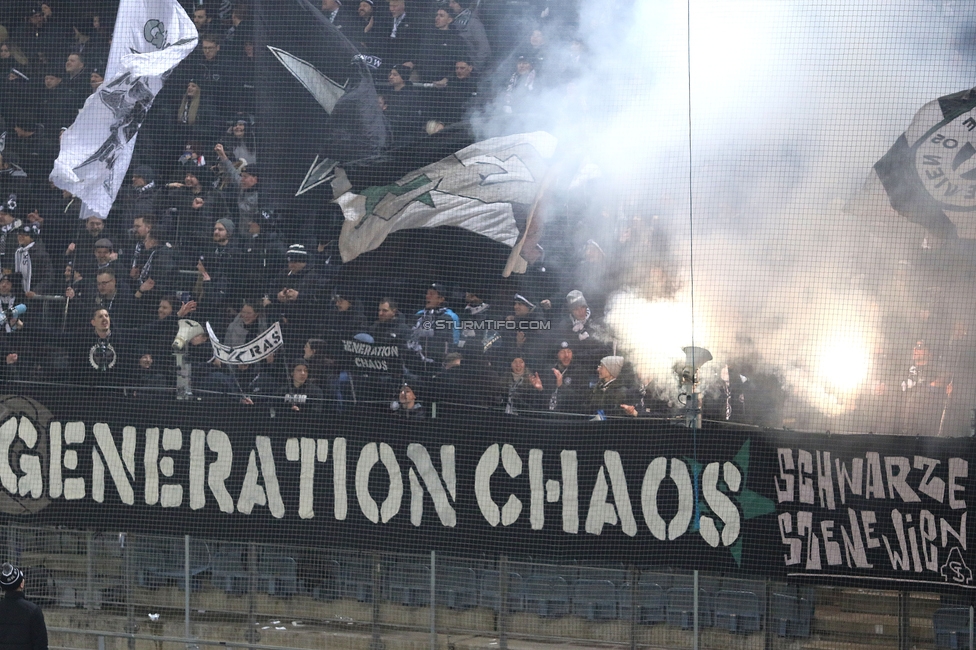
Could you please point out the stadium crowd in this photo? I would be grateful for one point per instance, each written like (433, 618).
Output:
(188, 236)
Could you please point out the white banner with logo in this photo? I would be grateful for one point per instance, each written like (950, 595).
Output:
(253, 351)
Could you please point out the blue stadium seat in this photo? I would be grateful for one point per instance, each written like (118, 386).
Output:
(279, 574)
(681, 608)
(738, 611)
(229, 571)
(162, 561)
(951, 628)
(489, 591)
(595, 599)
(790, 615)
(652, 602)
(547, 595)
(328, 587)
(356, 578)
(457, 587)
(410, 585)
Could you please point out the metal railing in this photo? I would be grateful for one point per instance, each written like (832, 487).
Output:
(215, 593)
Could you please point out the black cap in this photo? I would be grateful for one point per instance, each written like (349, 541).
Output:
(10, 576)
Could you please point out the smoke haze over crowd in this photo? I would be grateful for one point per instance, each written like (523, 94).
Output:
(791, 104)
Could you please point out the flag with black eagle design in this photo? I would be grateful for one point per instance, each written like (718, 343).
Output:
(316, 103)
(151, 38)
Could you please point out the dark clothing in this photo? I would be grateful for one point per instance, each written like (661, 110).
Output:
(405, 114)
(608, 396)
(570, 397)
(263, 254)
(298, 317)
(22, 624)
(104, 362)
(34, 266)
(442, 49)
(306, 399)
(223, 266)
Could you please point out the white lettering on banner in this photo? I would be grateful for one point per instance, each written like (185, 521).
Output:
(921, 539)
(198, 440)
(253, 351)
(340, 506)
(601, 512)
(512, 463)
(421, 459)
(74, 434)
(653, 477)
(110, 454)
(721, 505)
(252, 493)
(394, 497)
(875, 514)
(219, 470)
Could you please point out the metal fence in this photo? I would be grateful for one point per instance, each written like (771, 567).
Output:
(129, 591)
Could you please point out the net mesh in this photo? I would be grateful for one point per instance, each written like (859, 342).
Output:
(428, 323)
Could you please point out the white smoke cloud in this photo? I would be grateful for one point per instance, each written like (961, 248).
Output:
(790, 106)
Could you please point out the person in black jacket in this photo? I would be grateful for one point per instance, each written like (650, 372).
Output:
(22, 624)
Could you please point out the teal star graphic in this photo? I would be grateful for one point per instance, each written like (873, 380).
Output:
(751, 503)
(376, 194)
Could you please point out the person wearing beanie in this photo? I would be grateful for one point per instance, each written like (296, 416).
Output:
(219, 269)
(407, 405)
(587, 333)
(609, 396)
(22, 623)
(295, 295)
(565, 382)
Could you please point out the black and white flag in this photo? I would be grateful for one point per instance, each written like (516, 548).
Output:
(929, 174)
(477, 188)
(315, 99)
(151, 38)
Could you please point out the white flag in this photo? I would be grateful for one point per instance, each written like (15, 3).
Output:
(255, 350)
(151, 38)
(473, 189)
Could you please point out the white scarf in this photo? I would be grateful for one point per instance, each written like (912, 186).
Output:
(22, 264)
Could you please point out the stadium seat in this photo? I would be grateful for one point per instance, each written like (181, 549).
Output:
(457, 587)
(681, 608)
(595, 599)
(547, 595)
(356, 578)
(229, 571)
(279, 574)
(652, 602)
(790, 615)
(410, 585)
(489, 591)
(328, 587)
(162, 561)
(951, 628)
(738, 611)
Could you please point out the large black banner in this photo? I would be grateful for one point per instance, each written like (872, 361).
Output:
(865, 509)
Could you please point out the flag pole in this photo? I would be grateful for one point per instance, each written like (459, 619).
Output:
(515, 263)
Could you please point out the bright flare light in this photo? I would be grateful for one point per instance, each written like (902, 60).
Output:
(844, 362)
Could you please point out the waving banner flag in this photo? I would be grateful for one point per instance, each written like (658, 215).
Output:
(487, 188)
(151, 37)
(313, 82)
(929, 174)
(255, 350)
